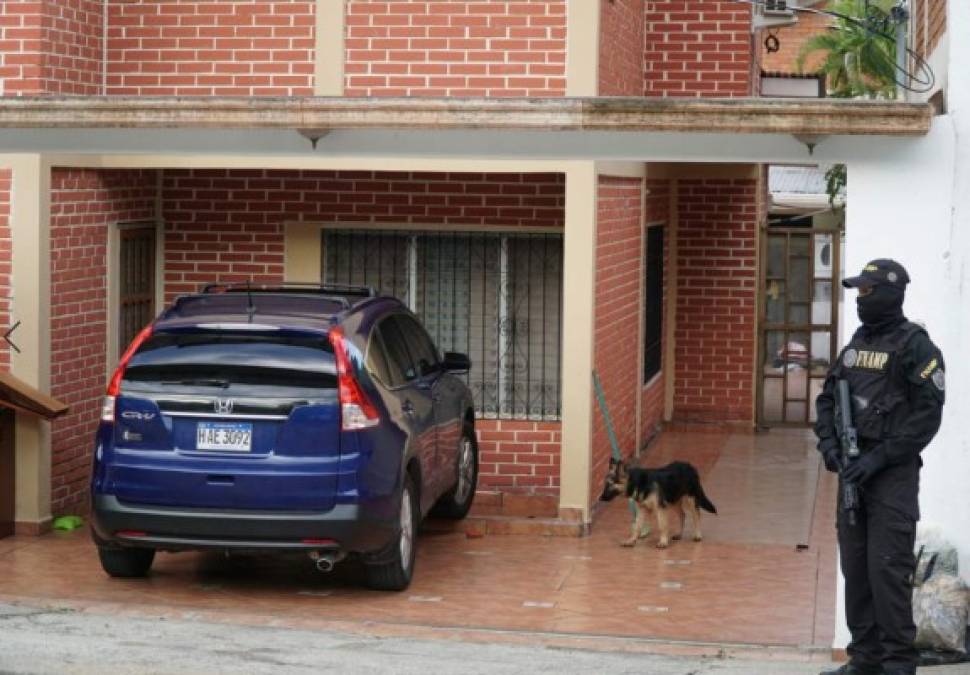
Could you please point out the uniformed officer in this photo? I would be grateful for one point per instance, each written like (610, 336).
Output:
(896, 379)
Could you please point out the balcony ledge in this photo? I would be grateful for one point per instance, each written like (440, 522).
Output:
(819, 117)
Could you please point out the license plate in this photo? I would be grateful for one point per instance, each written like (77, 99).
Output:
(235, 436)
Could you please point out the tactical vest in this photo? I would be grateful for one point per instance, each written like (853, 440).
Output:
(876, 381)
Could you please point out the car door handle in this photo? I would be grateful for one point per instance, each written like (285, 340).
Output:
(408, 408)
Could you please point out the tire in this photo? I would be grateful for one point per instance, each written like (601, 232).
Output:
(126, 563)
(395, 574)
(456, 503)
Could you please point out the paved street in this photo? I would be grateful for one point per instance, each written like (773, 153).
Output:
(62, 641)
(67, 642)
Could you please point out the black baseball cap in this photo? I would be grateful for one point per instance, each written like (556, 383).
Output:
(879, 271)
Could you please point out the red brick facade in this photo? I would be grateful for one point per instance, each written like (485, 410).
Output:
(716, 300)
(455, 48)
(51, 47)
(206, 48)
(791, 39)
(699, 48)
(6, 260)
(621, 48)
(228, 225)
(616, 351)
(519, 455)
(84, 204)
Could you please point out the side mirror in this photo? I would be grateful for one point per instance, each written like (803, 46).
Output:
(457, 363)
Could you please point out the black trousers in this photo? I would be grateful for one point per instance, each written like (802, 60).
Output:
(878, 565)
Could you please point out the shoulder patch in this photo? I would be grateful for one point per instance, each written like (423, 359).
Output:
(939, 379)
(850, 357)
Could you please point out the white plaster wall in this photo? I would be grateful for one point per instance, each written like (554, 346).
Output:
(945, 494)
(916, 208)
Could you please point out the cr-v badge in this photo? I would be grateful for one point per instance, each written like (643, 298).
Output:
(135, 415)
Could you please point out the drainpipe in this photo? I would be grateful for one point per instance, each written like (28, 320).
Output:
(900, 15)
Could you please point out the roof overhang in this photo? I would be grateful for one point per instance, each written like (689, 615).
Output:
(318, 114)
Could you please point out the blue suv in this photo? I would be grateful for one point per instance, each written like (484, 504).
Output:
(316, 419)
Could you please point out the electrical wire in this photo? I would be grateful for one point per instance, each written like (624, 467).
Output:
(922, 74)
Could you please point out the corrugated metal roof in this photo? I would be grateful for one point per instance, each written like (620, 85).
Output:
(807, 180)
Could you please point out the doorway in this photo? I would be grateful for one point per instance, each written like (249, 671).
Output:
(798, 334)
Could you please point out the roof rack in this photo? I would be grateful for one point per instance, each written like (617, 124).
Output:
(290, 286)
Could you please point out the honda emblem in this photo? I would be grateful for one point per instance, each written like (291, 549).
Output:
(223, 406)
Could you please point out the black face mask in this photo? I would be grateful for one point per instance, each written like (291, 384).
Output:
(883, 306)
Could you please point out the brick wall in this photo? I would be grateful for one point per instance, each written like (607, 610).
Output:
(698, 48)
(6, 251)
(621, 48)
(652, 403)
(455, 48)
(519, 455)
(716, 276)
(228, 225)
(791, 39)
(929, 24)
(51, 47)
(206, 48)
(619, 246)
(83, 205)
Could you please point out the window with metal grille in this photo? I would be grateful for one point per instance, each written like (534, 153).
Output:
(653, 302)
(494, 296)
(136, 286)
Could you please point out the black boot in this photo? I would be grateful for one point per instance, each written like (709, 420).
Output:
(853, 669)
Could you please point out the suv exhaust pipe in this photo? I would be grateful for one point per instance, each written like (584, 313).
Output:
(326, 560)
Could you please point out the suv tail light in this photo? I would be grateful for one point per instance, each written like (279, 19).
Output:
(356, 410)
(114, 386)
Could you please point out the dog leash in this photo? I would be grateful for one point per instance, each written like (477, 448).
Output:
(614, 444)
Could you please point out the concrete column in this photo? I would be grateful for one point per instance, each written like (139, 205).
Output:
(582, 47)
(670, 311)
(328, 76)
(302, 253)
(579, 282)
(30, 288)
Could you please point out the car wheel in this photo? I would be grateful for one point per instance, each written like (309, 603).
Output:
(395, 574)
(126, 563)
(455, 503)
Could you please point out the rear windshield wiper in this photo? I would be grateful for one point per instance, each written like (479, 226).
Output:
(201, 383)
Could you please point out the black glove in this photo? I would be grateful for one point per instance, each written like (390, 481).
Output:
(832, 457)
(861, 470)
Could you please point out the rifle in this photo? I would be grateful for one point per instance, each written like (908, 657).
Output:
(850, 447)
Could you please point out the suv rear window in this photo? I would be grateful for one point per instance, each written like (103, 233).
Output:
(222, 360)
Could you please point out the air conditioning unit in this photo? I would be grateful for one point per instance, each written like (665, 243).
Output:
(773, 14)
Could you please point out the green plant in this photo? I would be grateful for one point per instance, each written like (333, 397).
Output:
(860, 52)
(835, 180)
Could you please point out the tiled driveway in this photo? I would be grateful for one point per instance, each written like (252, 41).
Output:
(763, 578)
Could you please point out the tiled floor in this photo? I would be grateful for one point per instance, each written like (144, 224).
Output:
(764, 575)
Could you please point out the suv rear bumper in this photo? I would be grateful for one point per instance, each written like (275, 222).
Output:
(349, 527)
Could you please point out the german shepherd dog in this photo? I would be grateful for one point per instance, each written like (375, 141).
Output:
(656, 490)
